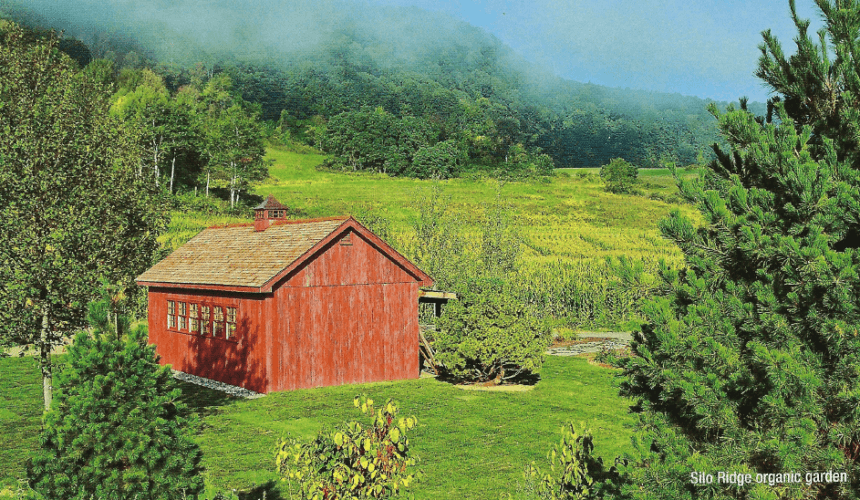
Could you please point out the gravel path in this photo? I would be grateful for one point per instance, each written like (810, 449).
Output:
(610, 340)
(231, 390)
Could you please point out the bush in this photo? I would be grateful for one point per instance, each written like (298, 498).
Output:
(353, 461)
(619, 176)
(116, 428)
(488, 334)
(574, 474)
(438, 161)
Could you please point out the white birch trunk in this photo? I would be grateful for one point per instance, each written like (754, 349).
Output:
(172, 171)
(45, 358)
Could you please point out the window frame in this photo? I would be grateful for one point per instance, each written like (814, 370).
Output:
(171, 314)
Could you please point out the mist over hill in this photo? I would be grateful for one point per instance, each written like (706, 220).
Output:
(310, 59)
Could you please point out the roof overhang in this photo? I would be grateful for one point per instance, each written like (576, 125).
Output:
(199, 286)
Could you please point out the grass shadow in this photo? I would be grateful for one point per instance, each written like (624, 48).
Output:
(203, 400)
(525, 378)
(266, 491)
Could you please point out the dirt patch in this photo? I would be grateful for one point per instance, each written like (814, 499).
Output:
(32, 351)
(495, 388)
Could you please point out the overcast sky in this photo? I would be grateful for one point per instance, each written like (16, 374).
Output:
(705, 48)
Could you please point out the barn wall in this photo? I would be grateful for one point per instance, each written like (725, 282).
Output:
(345, 334)
(350, 315)
(239, 362)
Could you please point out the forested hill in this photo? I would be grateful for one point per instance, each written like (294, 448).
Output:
(324, 70)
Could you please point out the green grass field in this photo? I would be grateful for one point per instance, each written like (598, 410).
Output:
(569, 217)
(472, 444)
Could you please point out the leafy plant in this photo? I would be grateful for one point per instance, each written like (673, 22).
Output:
(619, 176)
(574, 474)
(117, 429)
(352, 461)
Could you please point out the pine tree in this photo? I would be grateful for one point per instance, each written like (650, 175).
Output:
(117, 429)
(751, 362)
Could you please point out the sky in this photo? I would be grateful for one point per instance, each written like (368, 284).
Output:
(706, 48)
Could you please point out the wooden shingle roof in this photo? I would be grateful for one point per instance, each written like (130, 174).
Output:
(235, 257)
(238, 256)
(270, 203)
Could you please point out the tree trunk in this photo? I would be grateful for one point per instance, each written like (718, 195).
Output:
(172, 171)
(207, 184)
(232, 188)
(45, 358)
(155, 161)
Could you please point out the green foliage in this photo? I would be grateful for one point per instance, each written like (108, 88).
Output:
(574, 474)
(489, 334)
(619, 176)
(439, 245)
(76, 210)
(352, 461)
(750, 363)
(117, 429)
(375, 140)
(439, 161)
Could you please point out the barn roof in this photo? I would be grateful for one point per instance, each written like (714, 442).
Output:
(270, 203)
(236, 257)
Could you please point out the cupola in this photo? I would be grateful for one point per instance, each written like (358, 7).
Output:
(267, 212)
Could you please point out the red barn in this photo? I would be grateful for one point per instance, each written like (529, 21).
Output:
(286, 304)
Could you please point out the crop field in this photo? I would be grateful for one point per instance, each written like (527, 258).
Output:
(471, 444)
(570, 227)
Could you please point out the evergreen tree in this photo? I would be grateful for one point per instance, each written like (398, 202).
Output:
(117, 429)
(751, 362)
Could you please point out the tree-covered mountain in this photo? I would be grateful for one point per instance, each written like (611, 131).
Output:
(310, 62)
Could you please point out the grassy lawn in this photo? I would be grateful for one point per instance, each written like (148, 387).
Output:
(471, 444)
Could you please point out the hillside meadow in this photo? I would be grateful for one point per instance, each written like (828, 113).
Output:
(574, 234)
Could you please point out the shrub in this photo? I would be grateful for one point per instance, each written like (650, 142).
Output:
(116, 428)
(438, 161)
(488, 334)
(574, 474)
(353, 461)
(619, 176)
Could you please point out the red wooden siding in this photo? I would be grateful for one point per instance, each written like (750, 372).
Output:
(345, 335)
(357, 263)
(235, 361)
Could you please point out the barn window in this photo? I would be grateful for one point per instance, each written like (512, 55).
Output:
(346, 240)
(204, 320)
(183, 315)
(171, 314)
(193, 315)
(218, 321)
(231, 322)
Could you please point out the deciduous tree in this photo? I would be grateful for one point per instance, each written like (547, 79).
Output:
(74, 210)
